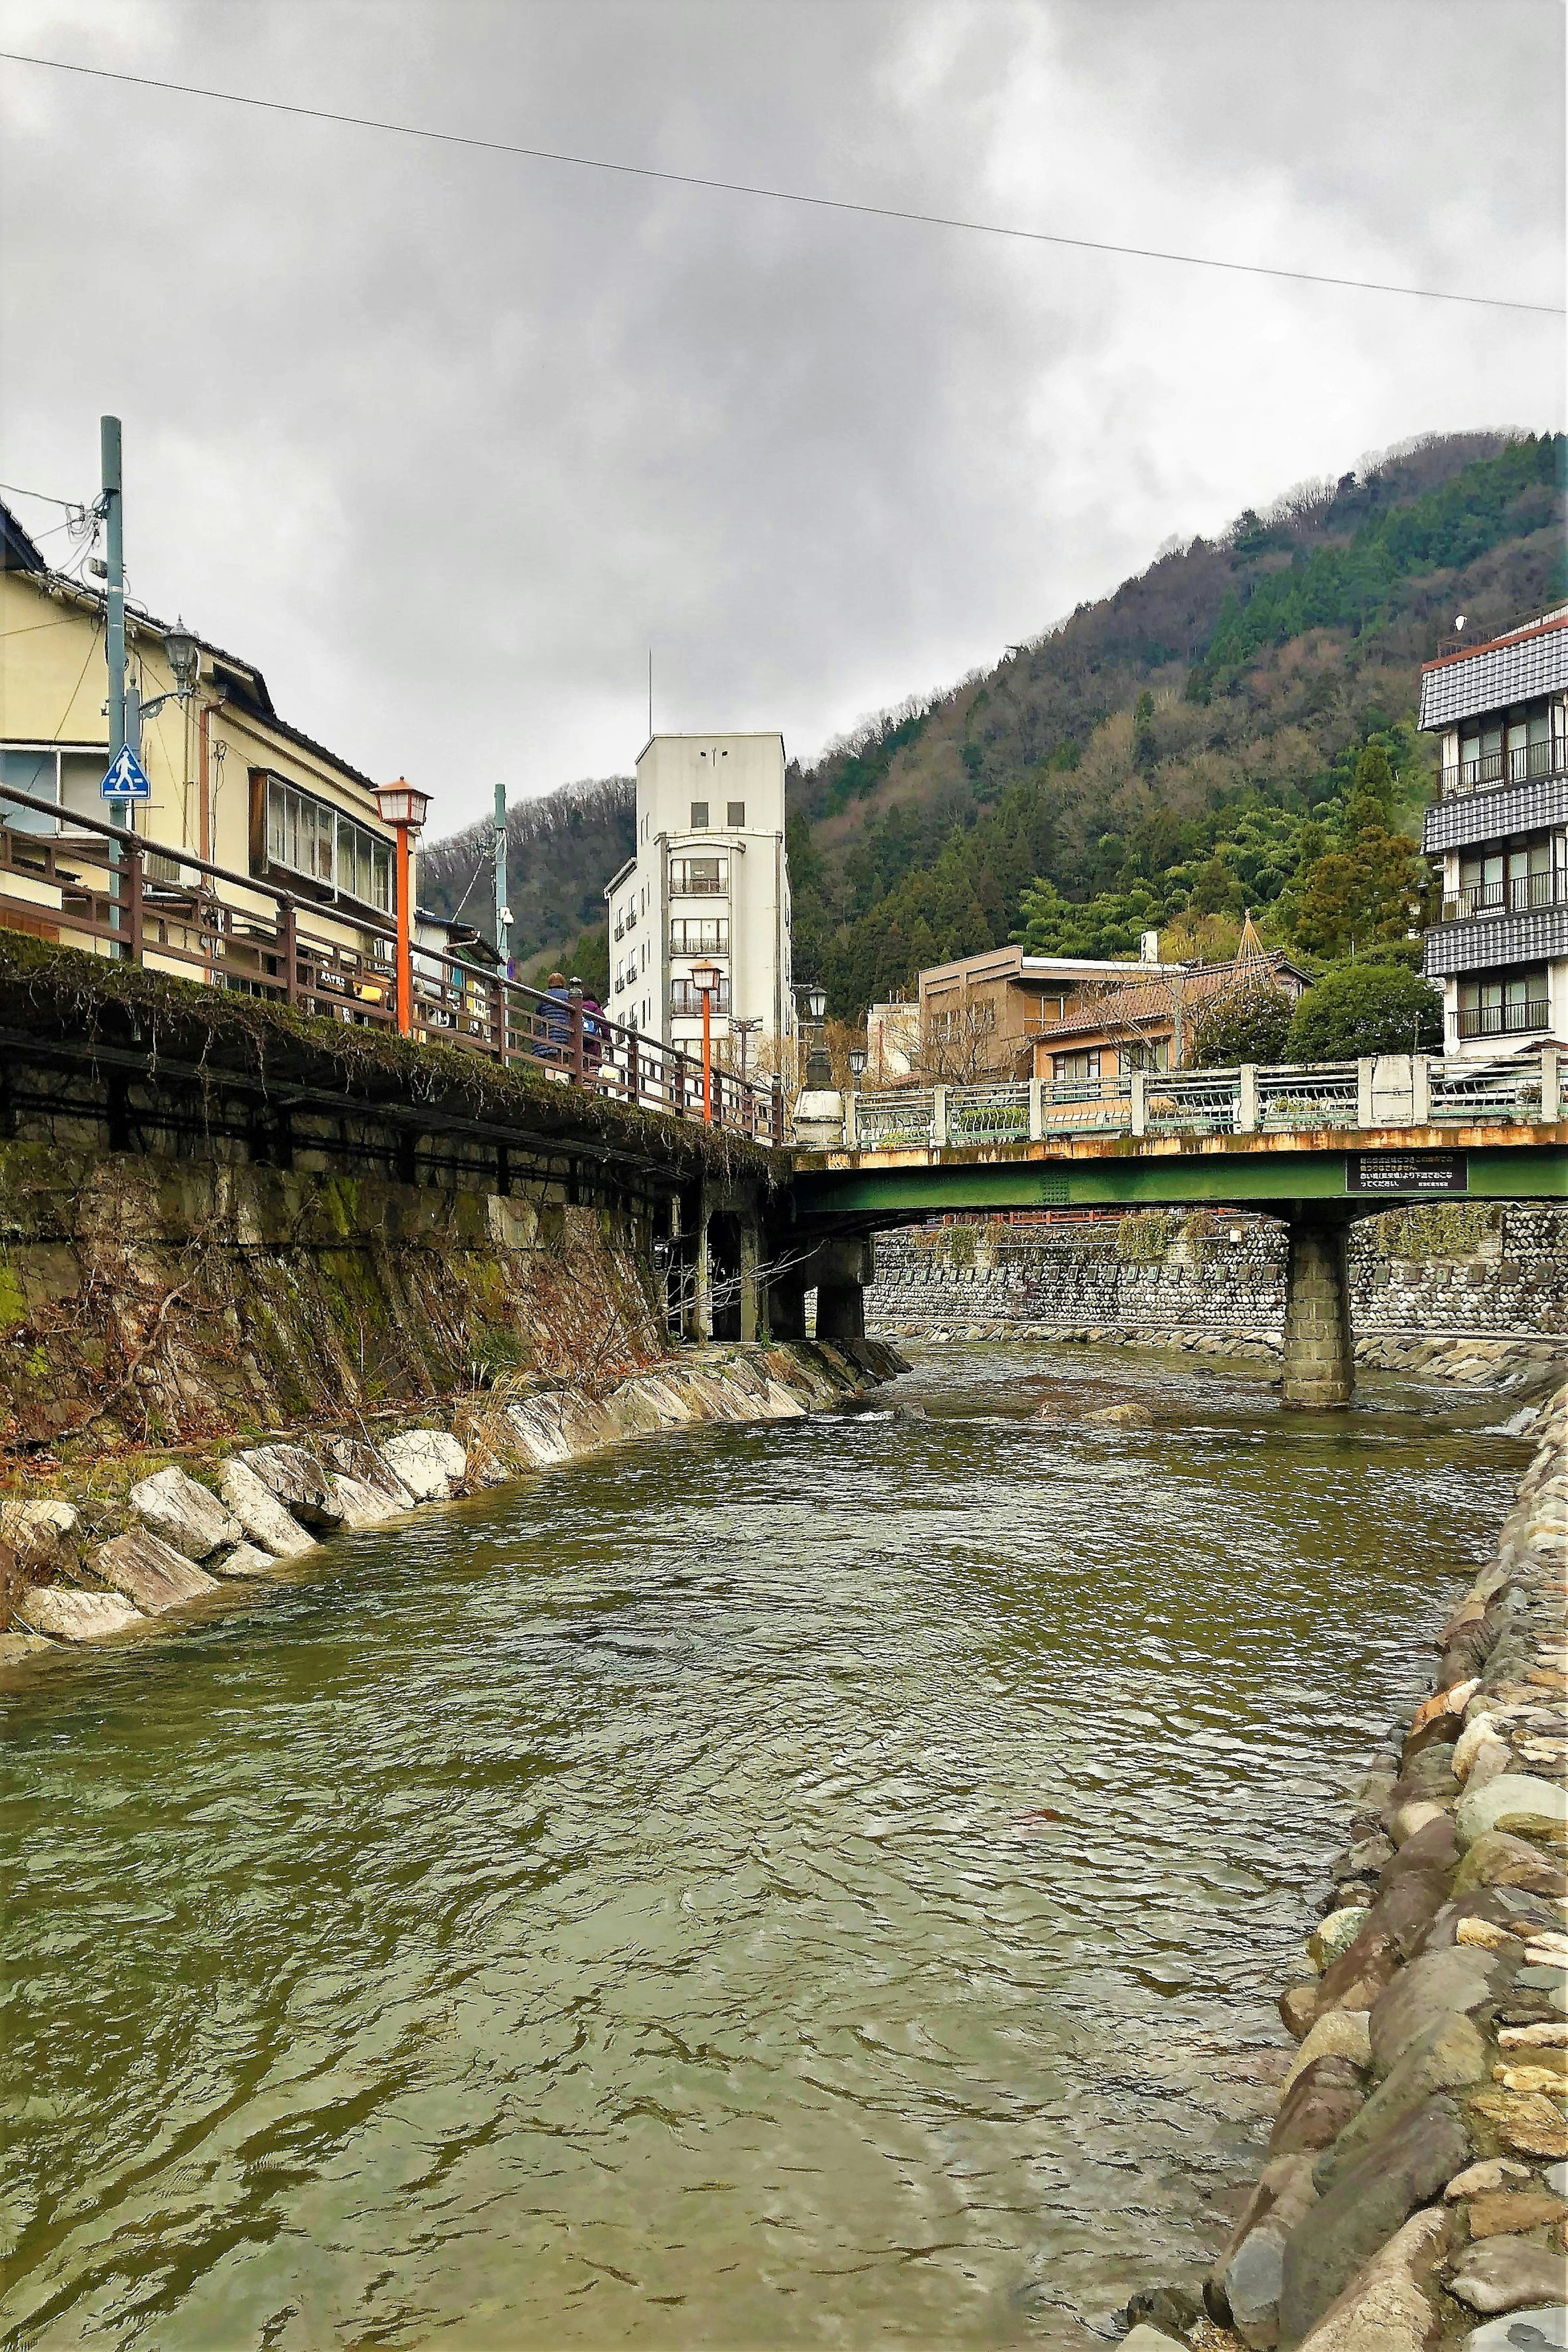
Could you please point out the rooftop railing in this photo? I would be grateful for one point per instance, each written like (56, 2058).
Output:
(89, 885)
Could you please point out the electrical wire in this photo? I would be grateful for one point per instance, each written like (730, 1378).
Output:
(15, 491)
(774, 196)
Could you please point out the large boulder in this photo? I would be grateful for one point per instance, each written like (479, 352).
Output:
(185, 1514)
(1497, 1859)
(265, 1520)
(149, 1572)
(297, 1481)
(366, 1467)
(1447, 2054)
(68, 1614)
(1389, 2306)
(1318, 2106)
(1436, 1986)
(46, 1537)
(430, 1463)
(1516, 1802)
(1505, 2273)
(1369, 2200)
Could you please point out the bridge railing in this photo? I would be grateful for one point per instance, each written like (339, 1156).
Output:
(86, 883)
(1383, 1090)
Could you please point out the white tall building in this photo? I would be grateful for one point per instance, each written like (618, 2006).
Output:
(708, 883)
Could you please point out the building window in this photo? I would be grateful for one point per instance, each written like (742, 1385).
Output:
(1157, 1057)
(1075, 1068)
(1505, 881)
(699, 816)
(1505, 1005)
(694, 877)
(69, 779)
(686, 1002)
(700, 935)
(1508, 748)
(736, 817)
(309, 837)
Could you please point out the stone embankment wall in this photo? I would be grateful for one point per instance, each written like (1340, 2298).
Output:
(153, 1301)
(1427, 1287)
(1416, 2187)
(109, 1552)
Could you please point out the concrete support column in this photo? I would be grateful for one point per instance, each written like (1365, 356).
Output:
(702, 1278)
(787, 1306)
(844, 1270)
(1319, 1364)
(750, 1313)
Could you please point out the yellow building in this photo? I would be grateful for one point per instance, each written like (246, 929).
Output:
(231, 783)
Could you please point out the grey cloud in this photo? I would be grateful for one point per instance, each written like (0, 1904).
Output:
(444, 440)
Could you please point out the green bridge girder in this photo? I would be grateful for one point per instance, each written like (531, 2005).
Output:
(886, 1192)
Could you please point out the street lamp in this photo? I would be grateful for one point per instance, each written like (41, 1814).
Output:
(405, 810)
(819, 1071)
(857, 1061)
(705, 977)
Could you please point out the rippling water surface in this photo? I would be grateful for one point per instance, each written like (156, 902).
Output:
(819, 1884)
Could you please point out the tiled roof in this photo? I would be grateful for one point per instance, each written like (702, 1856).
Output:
(1515, 668)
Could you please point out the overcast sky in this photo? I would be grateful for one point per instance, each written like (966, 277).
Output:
(444, 440)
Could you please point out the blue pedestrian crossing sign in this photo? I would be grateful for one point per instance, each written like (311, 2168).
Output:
(127, 777)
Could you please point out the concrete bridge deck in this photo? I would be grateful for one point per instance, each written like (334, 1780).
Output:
(1318, 1147)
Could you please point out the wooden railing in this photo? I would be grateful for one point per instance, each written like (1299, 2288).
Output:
(94, 885)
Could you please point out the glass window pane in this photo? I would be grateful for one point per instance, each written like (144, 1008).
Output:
(35, 772)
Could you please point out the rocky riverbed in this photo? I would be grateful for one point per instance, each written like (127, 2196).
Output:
(102, 1554)
(1416, 2191)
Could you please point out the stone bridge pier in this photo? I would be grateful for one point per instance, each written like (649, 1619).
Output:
(1319, 1367)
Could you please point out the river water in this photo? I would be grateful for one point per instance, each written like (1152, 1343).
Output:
(822, 1885)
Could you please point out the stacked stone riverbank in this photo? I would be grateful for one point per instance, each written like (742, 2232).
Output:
(107, 1552)
(1416, 2194)
(1455, 1281)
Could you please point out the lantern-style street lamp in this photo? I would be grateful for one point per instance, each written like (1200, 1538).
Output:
(857, 1061)
(818, 1070)
(705, 977)
(405, 810)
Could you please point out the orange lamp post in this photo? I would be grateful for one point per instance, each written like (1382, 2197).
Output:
(705, 977)
(405, 810)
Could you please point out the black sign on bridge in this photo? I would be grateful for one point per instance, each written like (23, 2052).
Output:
(1406, 1172)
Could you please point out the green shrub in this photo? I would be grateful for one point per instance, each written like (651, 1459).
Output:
(1250, 1023)
(1366, 1008)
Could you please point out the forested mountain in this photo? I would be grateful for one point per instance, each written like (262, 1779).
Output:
(1170, 755)
(561, 850)
(1184, 748)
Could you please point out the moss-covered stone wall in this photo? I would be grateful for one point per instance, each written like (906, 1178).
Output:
(148, 1301)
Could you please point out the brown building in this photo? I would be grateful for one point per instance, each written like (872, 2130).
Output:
(979, 1017)
(1142, 1024)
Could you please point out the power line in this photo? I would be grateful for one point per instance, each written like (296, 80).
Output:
(15, 491)
(776, 196)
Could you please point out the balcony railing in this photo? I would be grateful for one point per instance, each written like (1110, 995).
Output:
(1516, 895)
(695, 939)
(1514, 1020)
(113, 894)
(1486, 771)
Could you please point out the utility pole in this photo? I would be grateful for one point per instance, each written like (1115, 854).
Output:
(112, 508)
(503, 910)
(114, 525)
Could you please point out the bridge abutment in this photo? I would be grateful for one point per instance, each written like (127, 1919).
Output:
(1319, 1357)
(845, 1270)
